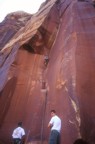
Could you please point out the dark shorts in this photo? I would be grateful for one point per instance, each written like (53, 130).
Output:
(54, 137)
(16, 141)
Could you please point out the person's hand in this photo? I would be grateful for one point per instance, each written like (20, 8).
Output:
(50, 125)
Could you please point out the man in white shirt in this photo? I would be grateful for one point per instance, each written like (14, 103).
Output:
(55, 125)
(18, 134)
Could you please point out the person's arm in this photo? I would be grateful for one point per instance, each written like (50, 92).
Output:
(23, 132)
(50, 125)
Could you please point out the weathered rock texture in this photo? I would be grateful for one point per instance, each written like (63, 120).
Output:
(65, 31)
(12, 23)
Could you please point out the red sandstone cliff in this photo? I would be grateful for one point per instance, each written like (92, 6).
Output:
(11, 24)
(63, 30)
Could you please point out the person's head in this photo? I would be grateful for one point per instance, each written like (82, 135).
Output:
(80, 141)
(53, 113)
(20, 124)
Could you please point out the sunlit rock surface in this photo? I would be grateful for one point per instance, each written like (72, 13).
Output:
(63, 30)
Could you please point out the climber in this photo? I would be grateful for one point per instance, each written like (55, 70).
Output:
(46, 60)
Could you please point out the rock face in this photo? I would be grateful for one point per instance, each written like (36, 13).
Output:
(11, 24)
(30, 87)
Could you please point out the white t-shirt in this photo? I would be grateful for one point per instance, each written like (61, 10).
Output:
(56, 122)
(18, 132)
